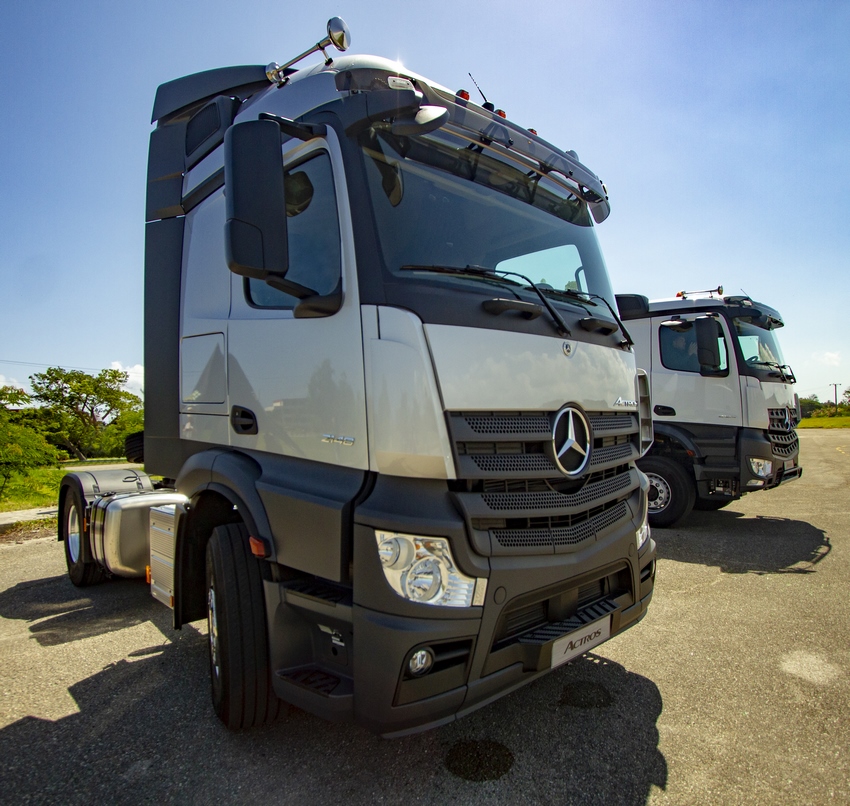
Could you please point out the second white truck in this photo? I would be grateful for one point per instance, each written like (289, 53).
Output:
(724, 408)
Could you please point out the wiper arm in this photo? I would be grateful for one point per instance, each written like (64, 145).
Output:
(560, 324)
(498, 275)
(786, 374)
(627, 339)
(459, 271)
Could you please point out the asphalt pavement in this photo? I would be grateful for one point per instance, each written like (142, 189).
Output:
(734, 689)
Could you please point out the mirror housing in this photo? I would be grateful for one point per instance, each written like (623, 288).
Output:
(708, 348)
(255, 227)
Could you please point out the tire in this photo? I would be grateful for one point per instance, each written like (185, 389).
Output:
(72, 532)
(711, 504)
(134, 447)
(671, 491)
(240, 670)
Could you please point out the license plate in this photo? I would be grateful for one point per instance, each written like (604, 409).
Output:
(580, 641)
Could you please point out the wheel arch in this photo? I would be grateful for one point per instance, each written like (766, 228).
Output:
(675, 442)
(220, 488)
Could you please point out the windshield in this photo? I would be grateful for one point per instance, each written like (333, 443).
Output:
(759, 346)
(445, 200)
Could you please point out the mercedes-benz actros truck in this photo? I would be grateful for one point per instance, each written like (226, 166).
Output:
(391, 415)
(724, 407)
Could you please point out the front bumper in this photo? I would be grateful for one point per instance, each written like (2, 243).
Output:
(507, 643)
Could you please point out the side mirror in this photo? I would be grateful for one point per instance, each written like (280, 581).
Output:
(255, 227)
(708, 348)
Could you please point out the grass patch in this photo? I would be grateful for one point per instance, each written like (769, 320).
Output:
(825, 422)
(28, 530)
(38, 487)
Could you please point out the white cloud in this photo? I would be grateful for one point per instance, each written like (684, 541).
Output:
(136, 377)
(827, 359)
(4, 381)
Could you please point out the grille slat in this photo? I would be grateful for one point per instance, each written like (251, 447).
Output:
(781, 433)
(517, 500)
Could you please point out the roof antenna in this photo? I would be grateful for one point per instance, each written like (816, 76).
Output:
(489, 106)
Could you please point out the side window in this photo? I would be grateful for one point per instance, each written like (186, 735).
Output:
(313, 233)
(679, 348)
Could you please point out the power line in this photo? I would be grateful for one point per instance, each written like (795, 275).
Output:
(61, 366)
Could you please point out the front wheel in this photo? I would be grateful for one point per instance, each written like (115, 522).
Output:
(82, 573)
(240, 670)
(671, 491)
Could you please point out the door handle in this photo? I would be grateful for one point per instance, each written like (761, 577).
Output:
(243, 421)
(665, 411)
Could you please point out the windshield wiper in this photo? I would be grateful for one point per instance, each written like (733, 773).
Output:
(786, 374)
(460, 271)
(541, 291)
(498, 275)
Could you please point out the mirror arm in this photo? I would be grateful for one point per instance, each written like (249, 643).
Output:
(300, 131)
(318, 305)
(280, 283)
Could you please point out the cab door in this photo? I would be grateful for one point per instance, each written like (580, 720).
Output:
(296, 385)
(679, 391)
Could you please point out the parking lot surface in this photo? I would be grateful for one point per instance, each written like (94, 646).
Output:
(734, 689)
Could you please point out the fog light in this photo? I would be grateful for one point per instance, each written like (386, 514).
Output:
(755, 483)
(760, 467)
(421, 662)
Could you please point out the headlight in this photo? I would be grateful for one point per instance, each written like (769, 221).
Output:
(760, 467)
(422, 569)
(642, 535)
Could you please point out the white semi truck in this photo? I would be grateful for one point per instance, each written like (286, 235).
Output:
(395, 474)
(724, 407)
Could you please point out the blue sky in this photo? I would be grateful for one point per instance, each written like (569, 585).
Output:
(722, 130)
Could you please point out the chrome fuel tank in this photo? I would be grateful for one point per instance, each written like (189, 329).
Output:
(120, 530)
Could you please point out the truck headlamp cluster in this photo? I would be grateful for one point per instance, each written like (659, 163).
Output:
(422, 569)
(760, 467)
(642, 535)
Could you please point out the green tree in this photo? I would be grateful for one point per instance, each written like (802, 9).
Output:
(809, 405)
(21, 448)
(87, 415)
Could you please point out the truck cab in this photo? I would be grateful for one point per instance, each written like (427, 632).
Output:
(724, 407)
(385, 375)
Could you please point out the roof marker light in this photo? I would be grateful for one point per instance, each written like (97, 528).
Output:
(533, 131)
(464, 94)
(501, 113)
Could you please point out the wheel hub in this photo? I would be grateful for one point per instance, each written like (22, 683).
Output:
(659, 493)
(72, 534)
(212, 625)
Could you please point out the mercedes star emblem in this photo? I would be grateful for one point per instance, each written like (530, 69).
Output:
(571, 439)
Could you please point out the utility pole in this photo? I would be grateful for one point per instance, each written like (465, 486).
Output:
(835, 390)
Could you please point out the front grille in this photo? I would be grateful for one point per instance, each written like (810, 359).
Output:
(564, 531)
(551, 499)
(515, 498)
(781, 433)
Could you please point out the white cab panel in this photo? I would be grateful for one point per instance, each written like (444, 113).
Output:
(490, 370)
(206, 304)
(202, 369)
(755, 406)
(407, 430)
(303, 378)
(712, 400)
(212, 428)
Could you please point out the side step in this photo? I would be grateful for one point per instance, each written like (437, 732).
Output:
(317, 690)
